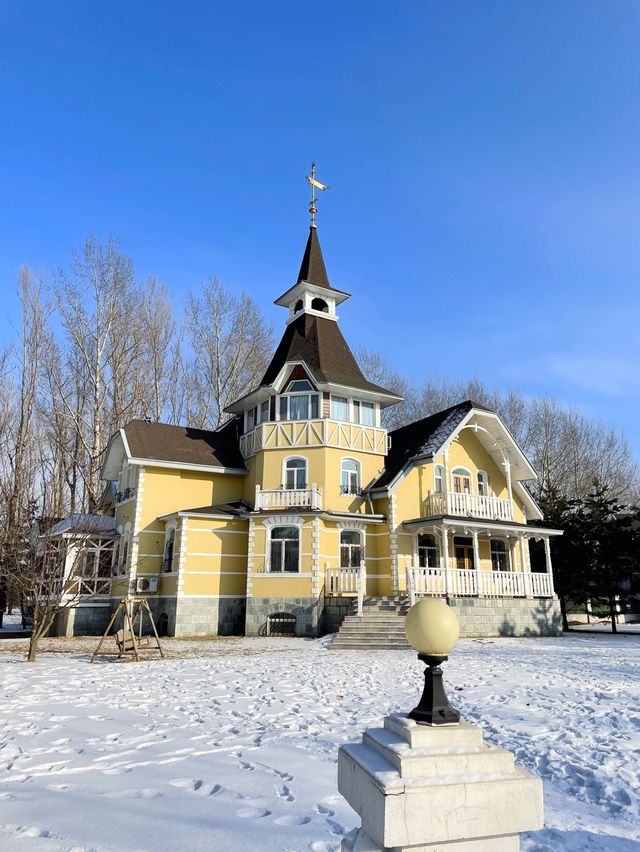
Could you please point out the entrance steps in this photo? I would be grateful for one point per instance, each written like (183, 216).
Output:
(380, 627)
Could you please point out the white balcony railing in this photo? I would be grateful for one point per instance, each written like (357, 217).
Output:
(437, 582)
(469, 506)
(289, 498)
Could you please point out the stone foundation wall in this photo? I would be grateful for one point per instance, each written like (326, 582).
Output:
(209, 617)
(335, 610)
(508, 617)
(308, 613)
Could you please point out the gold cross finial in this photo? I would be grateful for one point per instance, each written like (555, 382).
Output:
(315, 184)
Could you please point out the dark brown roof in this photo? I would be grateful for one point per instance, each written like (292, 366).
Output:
(233, 507)
(320, 344)
(181, 444)
(312, 268)
(422, 438)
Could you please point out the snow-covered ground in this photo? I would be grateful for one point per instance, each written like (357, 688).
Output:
(231, 744)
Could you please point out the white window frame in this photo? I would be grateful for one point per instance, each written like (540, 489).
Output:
(340, 399)
(482, 476)
(507, 552)
(284, 522)
(460, 470)
(309, 395)
(358, 473)
(171, 528)
(436, 548)
(285, 462)
(438, 477)
(360, 545)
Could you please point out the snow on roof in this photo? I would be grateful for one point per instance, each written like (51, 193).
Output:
(84, 523)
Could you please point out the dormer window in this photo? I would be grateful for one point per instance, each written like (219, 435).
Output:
(299, 385)
(319, 305)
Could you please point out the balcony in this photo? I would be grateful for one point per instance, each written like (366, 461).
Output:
(438, 582)
(289, 498)
(468, 506)
(314, 433)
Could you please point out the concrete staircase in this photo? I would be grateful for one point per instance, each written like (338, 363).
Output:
(380, 627)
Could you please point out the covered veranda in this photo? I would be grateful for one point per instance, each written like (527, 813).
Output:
(454, 557)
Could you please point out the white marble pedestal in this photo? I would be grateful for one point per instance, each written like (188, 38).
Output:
(436, 788)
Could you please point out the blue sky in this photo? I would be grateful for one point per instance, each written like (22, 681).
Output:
(483, 157)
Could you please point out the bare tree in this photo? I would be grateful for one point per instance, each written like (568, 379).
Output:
(231, 344)
(157, 331)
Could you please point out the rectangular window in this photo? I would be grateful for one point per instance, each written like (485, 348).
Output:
(264, 411)
(251, 419)
(283, 408)
(438, 473)
(314, 407)
(299, 407)
(367, 414)
(284, 550)
(339, 408)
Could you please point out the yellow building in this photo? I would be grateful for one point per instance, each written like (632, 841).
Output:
(302, 505)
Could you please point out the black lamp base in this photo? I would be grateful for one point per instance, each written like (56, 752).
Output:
(434, 708)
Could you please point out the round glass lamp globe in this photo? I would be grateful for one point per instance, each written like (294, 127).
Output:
(432, 627)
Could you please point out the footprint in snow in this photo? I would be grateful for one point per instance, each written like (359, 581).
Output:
(292, 820)
(285, 793)
(252, 813)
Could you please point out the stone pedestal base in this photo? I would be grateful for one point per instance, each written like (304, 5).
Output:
(436, 788)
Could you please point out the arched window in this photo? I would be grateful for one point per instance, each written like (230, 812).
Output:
(299, 306)
(427, 551)
(349, 477)
(295, 473)
(169, 544)
(499, 555)
(483, 484)
(461, 480)
(284, 551)
(351, 554)
(320, 305)
(438, 478)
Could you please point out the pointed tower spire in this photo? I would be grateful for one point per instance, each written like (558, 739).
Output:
(312, 268)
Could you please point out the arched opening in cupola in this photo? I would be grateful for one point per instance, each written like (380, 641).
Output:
(320, 305)
(298, 306)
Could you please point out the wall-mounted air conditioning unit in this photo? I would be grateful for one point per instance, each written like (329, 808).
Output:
(147, 584)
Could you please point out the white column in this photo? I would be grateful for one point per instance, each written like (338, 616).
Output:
(526, 575)
(476, 561)
(445, 557)
(547, 553)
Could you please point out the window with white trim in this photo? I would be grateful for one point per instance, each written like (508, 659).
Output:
(339, 408)
(461, 480)
(364, 413)
(295, 473)
(125, 552)
(438, 478)
(169, 547)
(351, 551)
(483, 484)
(428, 551)
(349, 476)
(499, 555)
(264, 411)
(299, 406)
(284, 550)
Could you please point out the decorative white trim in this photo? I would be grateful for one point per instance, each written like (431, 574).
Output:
(315, 556)
(283, 521)
(173, 465)
(182, 555)
(250, 543)
(393, 545)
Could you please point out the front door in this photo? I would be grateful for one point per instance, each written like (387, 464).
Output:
(464, 557)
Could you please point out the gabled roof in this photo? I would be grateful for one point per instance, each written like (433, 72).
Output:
(320, 344)
(312, 268)
(85, 523)
(176, 445)
(422, 438)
